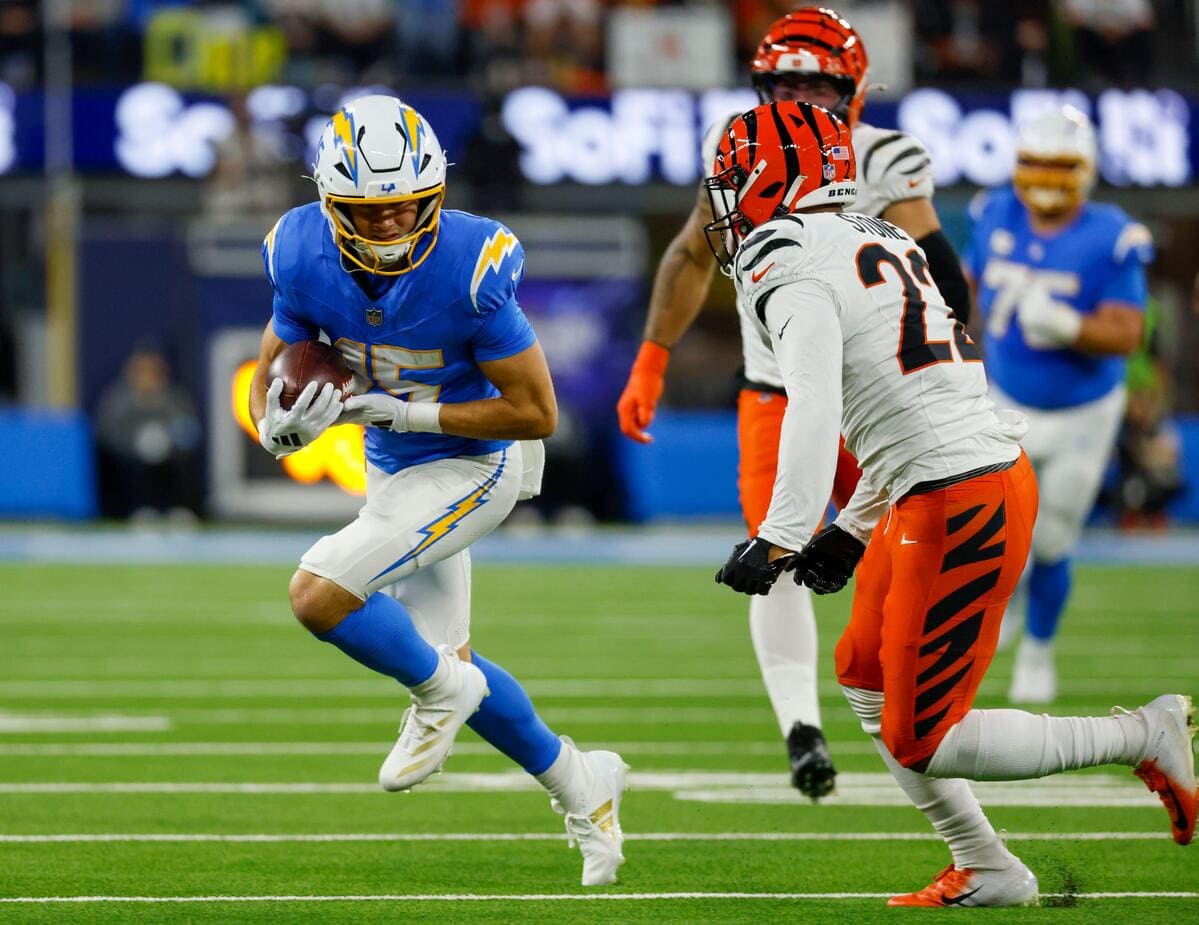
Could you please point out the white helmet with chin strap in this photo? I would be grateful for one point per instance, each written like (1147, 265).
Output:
(1056, 158)
(376, 150)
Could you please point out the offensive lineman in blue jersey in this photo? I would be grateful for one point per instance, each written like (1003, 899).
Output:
(1061, 285)
(448, 373)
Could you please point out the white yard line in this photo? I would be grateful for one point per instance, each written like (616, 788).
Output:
(96, 722)
(547, 688)
(187, 689)
(150, 749)
(288, 838)
(529, 897)
(658, 714)
(853, 789)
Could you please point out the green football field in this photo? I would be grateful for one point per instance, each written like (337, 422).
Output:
(174, 748)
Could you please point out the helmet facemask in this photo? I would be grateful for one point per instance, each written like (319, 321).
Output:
(729, 224)
(391, 257)
(768, 86)
(1052, 187)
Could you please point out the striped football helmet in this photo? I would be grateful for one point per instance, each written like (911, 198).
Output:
(813, 41)
(776, 159)
(377, 150)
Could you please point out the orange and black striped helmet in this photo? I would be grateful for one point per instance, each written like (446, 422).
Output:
(776, 159)
(814, 40)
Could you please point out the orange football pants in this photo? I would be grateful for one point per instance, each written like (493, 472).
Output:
(759, 427)
(930, 595)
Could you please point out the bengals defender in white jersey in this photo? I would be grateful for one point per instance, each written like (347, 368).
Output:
(943, 513)
(814, 56)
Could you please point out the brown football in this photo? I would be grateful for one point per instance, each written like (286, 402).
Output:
(308, 361)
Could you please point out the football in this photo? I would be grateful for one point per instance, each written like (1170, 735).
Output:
(308, 361)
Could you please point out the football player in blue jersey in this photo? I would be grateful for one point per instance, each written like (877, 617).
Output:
(454, 386)
(1061, 285)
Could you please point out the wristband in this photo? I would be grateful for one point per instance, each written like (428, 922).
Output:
(652, 358)
(424, 417)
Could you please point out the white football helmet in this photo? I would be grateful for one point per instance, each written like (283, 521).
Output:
(377, 149)
(1056, 157)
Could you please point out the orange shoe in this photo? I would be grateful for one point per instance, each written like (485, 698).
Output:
(1013, 886)
(1168, 768)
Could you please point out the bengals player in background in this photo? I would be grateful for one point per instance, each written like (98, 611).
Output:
(814, 56)
(943, 514)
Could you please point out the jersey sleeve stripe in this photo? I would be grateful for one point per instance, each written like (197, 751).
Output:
(757, 238)
(270, 249)
(1133, 236)
(766, 250)
(873, 149)
(914, 151)
(919, 166)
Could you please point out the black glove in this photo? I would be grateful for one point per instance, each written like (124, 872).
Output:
(828, 561)
(747, 569)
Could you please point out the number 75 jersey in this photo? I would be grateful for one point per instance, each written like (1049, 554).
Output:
(913, 391)
(1098, 258)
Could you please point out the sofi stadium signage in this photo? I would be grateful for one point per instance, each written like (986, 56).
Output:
(641, 135)
(632, 137)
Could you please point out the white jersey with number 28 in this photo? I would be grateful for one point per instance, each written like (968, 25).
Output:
(866, 347)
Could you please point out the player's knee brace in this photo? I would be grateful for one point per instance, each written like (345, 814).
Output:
(868, 705)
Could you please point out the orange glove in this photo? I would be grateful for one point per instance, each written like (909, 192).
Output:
(640, 397)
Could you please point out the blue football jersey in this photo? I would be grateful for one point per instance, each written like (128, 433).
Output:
(1100, 258)
(422, 336)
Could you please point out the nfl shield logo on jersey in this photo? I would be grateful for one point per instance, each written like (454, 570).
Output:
(374, 317)
(829, 171)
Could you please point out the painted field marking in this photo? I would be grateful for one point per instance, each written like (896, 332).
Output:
(530, 897)
(96, 722)
(188, 689)
(546, 688)
(149, 749)
(869, 789)
(349, 837)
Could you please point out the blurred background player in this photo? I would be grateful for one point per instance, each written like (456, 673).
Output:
(1061, 290)
(422, 305)
(814, 56)
(942, 517)
(148, 441)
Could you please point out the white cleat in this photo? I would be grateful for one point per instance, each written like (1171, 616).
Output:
(439, 709)
(1034, 677)
(1168, 767)
(595, 826)
(1015, 885)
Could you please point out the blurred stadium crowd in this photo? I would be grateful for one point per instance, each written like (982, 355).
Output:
(278, 67)
(561, 43)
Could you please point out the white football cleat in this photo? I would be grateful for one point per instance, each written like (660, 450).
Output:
(1034, 677)
(593, 823)
(1015, 885)
(1168, 767)
(440, 707)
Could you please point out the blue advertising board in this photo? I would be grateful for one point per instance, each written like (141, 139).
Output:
(633, 136)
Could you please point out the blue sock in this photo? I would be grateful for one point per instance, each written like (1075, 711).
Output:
(508, 721)
(381, 636)
(1048, 588)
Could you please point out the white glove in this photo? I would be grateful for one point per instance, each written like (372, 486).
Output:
(391, 413)
(1047, 324)
(283, 432)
